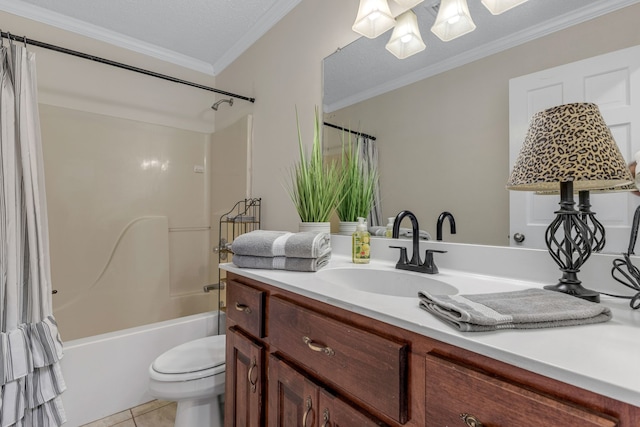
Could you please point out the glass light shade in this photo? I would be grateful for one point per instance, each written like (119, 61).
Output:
(453, 20)
(497, 7)
(569, 143)
(409, 4)
(405, 39)
(374, 18)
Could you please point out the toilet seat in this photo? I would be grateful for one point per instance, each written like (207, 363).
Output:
(193, 360)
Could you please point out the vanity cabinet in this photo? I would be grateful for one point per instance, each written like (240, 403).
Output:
(299, 401)
(289, 356)
(459, 394)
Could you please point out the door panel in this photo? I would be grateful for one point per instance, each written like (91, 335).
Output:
(612, 81)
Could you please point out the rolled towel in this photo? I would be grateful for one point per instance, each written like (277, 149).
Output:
(282, 263)
(527, 309)
(268, 243)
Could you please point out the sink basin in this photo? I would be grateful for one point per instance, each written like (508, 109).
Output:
(386, 282)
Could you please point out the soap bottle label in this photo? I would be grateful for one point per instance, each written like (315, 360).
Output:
(361, 248)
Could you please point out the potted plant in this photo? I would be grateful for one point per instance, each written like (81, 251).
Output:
(358, 189)
(315, 186)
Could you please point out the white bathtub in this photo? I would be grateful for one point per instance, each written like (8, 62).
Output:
(107, 373)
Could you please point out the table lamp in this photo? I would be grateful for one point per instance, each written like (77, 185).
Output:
(569, 148)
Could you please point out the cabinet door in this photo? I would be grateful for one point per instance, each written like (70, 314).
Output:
(336, 413)
(455, 392)
(293, 399)
(245, 383)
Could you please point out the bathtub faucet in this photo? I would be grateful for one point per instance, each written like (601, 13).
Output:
(415, 264)
(452, 222)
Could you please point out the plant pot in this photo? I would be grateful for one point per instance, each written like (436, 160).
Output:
(347, 227)
(320, 227)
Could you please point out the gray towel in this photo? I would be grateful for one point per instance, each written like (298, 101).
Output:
(527, 309)
(282, 263)
(267, 243)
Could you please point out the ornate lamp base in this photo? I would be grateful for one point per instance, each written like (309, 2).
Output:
(570, 242)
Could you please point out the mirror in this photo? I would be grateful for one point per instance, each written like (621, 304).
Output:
(441, 117)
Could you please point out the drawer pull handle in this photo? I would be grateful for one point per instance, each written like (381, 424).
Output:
(315, 347)
(250, 374)
(243, 307)
(306, 413)
(470, 420)
(325, 417)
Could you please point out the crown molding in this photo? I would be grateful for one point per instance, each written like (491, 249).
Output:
(264, 24)
(561, 22)
(76, 26)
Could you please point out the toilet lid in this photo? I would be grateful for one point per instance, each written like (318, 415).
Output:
(193, 356)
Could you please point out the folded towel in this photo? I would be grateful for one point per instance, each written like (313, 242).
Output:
(527, 309)
(282, 263)
(378, 230)
(267, 243)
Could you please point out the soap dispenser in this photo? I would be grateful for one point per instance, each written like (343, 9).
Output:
(389, 231)
(361, 239)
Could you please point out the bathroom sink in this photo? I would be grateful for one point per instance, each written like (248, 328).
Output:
(386, 282)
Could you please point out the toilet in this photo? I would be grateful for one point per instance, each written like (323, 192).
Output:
(192, 374)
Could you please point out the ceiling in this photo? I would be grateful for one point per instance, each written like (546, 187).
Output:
(207, 35)
(204, 35)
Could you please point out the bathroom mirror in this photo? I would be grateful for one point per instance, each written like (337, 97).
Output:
(441, 117)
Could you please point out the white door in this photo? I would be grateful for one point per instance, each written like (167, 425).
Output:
(612, 81)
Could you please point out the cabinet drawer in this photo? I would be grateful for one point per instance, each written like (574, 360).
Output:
(454, 390)
(369, 367)
(246, 307)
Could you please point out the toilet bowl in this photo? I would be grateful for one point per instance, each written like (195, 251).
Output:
(192, 374)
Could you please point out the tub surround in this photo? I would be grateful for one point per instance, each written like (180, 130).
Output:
(600, 358)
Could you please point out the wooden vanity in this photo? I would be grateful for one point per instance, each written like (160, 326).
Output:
(293, 361)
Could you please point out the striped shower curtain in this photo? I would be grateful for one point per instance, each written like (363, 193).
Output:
(30, 346)
(369, 155)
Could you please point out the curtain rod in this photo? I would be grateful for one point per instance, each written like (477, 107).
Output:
(373, 138)
(37, 43)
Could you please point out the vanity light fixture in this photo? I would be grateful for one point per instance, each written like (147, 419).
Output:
(569, 147)
(496, 7)
(373, 19)
(405, 39)
(453, 20)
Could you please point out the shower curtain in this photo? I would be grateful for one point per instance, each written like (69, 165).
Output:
(30, 346)
(369, 156)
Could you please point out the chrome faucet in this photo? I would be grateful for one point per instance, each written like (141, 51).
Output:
(441, 218)
(415, 264)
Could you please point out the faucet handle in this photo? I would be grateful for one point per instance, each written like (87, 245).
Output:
(403, 254)
(429, 265)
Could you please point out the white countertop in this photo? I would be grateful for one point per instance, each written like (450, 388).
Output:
(603, 358)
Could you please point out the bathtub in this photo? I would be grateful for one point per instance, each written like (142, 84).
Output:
(107, 373)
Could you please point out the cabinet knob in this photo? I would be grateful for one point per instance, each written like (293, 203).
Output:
(315, 347)
(243, 307)
(308, 406)
(470, 420)
(325, 418)
(253, 382)
(518, 237)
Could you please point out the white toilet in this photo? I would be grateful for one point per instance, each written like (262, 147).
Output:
(192, 374)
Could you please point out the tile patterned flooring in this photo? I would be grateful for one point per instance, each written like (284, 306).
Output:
(157, 413)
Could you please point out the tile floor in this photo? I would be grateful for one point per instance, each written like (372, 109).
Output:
(157, 413)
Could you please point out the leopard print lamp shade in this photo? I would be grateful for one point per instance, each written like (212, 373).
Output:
(569, 142)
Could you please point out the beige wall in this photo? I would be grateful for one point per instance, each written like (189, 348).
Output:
(444, 141)
(283, 70)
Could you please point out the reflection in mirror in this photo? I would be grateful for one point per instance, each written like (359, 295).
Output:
(442, 122)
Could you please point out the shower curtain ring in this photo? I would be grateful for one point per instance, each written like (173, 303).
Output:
(24, 40)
